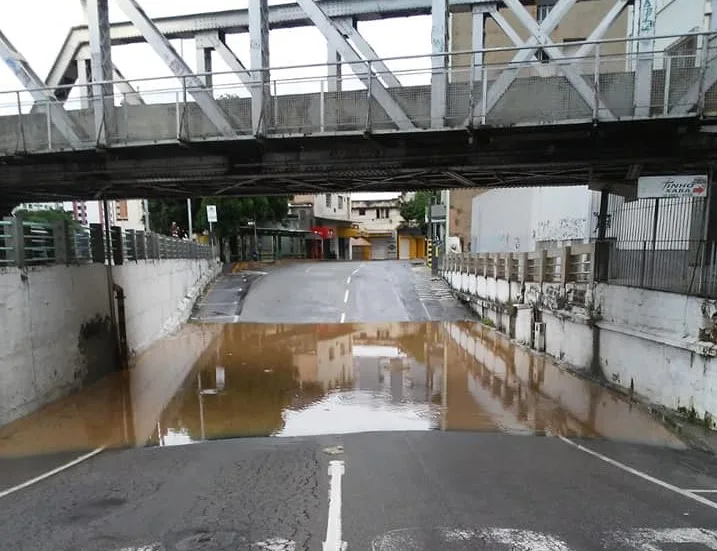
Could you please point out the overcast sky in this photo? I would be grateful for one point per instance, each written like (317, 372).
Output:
(37, 28)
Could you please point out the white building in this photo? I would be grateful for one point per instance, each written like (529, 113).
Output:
(129, 214)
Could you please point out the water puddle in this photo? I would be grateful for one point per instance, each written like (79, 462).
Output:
(219, 381)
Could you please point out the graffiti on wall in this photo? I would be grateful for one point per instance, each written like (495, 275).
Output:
(561, 229)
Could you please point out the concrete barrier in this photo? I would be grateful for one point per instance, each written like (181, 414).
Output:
(56, 331)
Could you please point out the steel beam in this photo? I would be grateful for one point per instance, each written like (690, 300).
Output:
(555, 53)
(439, 63)
(204, 48)
(358, 66)
(508, 76)
(237, 21)
(479, 14)
(130, 96)
(347, 26)
(161, 45)
(261, 77)
(515, 38)
(333, 63)
(645, 14)
(84, 78)
(98, 23)
(29, 79)
(228, 56)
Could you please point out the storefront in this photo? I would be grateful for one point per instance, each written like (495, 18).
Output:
(326, 248)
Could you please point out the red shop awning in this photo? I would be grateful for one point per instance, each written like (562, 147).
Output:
(323, 232)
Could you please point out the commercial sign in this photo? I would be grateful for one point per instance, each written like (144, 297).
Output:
(212, 213)
(658, 187)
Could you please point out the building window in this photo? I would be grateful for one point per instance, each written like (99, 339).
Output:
(332, 353)
(382, 213)
(341, 202)
(328, 200)
(543, 11)
(122, 213)
(362, 212)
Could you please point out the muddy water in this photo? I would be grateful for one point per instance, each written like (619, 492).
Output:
(222, 381)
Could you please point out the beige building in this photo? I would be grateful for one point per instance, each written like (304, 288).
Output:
(331, 214)
(378, 217)
(576, 25)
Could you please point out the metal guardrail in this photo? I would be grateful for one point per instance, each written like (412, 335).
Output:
(562, 265)
(24, 244)
(592, 81)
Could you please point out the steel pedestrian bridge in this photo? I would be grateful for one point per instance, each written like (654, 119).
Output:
(529, 114)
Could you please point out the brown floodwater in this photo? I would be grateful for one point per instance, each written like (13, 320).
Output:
(223, 381)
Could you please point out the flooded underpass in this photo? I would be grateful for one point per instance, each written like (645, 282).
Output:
(214, 381)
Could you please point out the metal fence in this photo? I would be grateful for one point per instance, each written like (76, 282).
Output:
(659, 244)
(588, 81)
(24, 244)
(679, 266)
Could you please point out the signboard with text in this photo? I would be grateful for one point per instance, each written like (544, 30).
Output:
(658, 187)
(212, 214)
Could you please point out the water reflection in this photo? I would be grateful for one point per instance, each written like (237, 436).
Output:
(215, 381)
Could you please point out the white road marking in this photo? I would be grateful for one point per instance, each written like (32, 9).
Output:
(702, 491)
(343, 317)
(48, 474)
(356, 270)
(447, 539)
(346, 296)
(348, 280)
(520, 540)
(218, 303)
(644, 539)
(275, 544)
(644, 476)
(333, 528)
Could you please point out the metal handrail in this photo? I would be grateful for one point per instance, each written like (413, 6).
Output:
(429, 55)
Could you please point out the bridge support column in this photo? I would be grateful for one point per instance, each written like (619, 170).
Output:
(439, 62)
(333, 59)
(645, 11)
(204, 59)
(84, 77)
(259, 46)
(98, 24)
(479, 16)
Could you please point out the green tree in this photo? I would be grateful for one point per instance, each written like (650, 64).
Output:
(234, 212)
(413, 210)
(162, 212)
(50, 216)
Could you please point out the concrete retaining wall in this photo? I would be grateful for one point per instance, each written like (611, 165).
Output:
(644, 341)
(56, 331)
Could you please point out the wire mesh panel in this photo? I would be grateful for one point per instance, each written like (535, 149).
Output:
(81, 250)
(39, 241)
(7, 248)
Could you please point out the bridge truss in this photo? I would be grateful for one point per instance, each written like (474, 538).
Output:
(85, 61)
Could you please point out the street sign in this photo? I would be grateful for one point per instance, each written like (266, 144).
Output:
(658, 187)
(212, 213)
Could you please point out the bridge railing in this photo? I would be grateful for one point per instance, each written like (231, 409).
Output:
(25, 244)
(603, 80)
(572, 264)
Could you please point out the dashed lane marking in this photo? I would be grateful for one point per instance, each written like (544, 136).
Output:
(346, 296)
(333, 540)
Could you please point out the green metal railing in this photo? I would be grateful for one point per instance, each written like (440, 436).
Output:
(25, 244)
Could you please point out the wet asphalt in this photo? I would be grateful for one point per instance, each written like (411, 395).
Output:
(429, 490)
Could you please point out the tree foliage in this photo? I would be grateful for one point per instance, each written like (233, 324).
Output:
(413, 210)
(49, 216)
(232, 213)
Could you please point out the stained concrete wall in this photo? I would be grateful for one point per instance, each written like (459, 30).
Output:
(644, 341)
(56, 331)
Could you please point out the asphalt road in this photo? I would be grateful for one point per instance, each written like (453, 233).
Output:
(388, 491)
(364, 292)
(396, 491)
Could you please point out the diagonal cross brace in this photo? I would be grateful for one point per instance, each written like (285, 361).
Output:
(691, 97)
(380, 68)
(555, 53)
(358, 65)
(29, 79)
(540, 37)
(204, 98)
